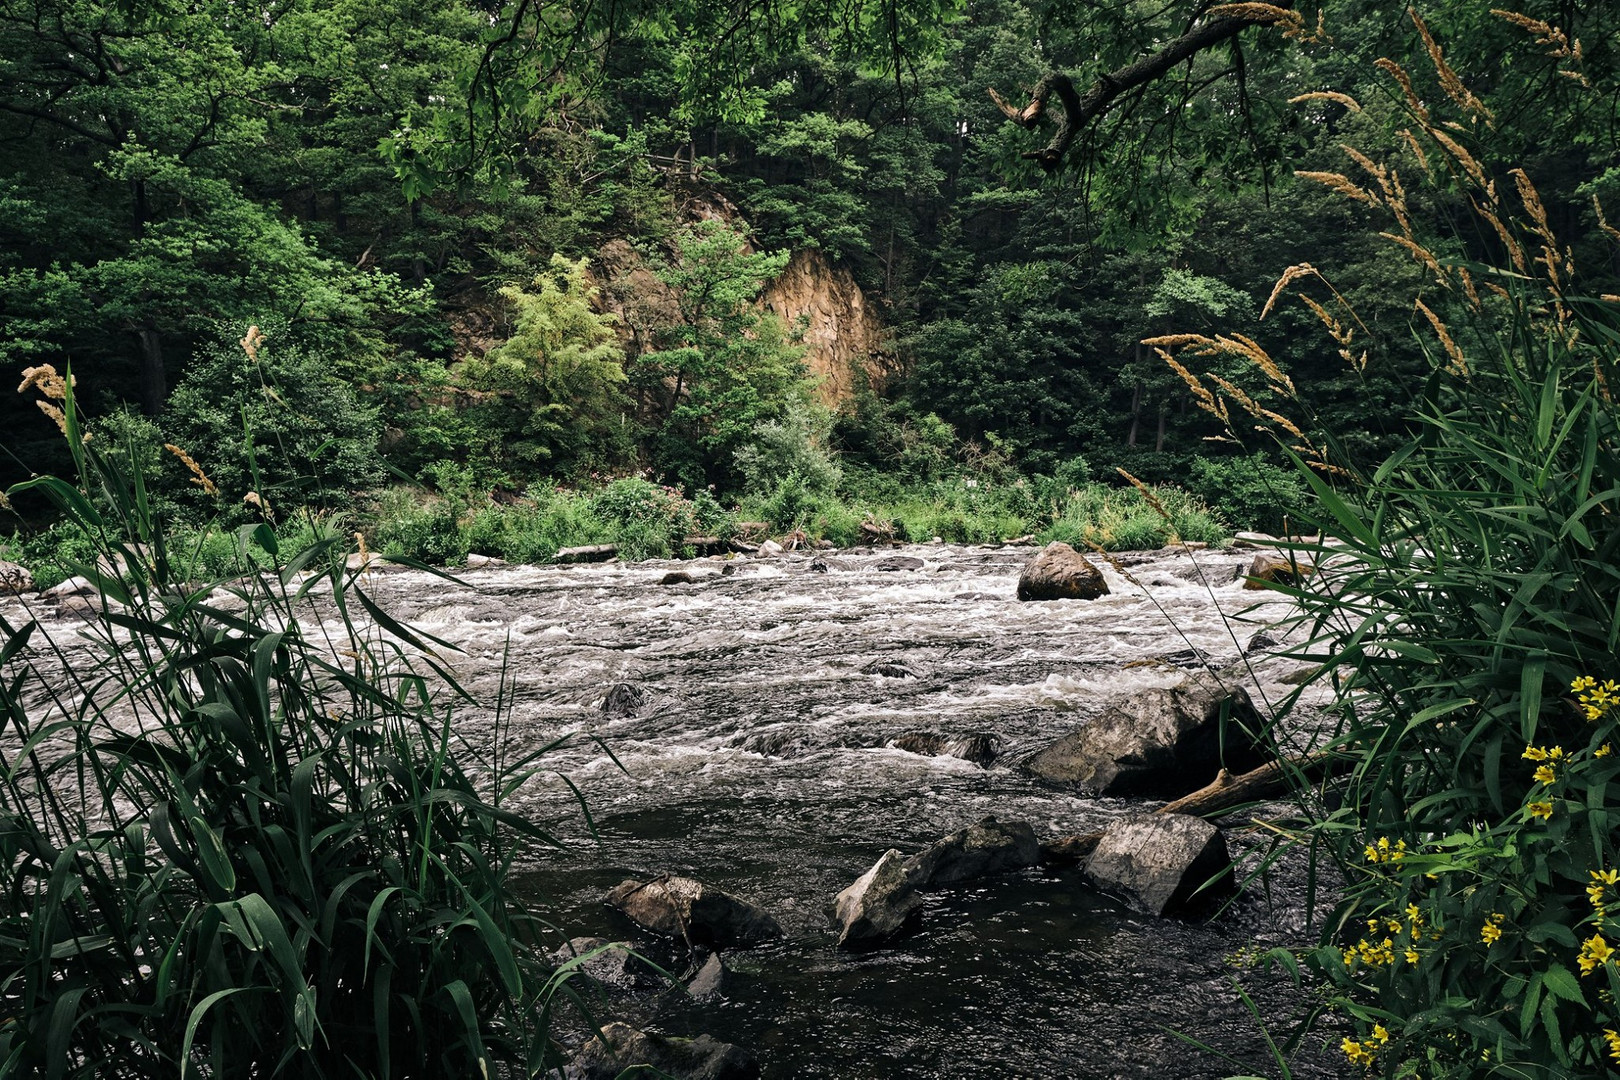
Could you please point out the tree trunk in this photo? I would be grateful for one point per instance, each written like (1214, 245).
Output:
(1159, 443)
(1136, 414)
(154, 382)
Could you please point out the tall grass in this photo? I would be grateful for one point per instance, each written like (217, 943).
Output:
(239, 835)
(1467, 613)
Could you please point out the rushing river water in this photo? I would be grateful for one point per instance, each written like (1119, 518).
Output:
(760, 763)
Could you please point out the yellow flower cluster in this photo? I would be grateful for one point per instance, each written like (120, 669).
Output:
(1596, 699)
(1382, 851)
(1361, 1053)
(1602, 881)
(1554, 754)
(1595, 953)
(1612, 1037)
(1491, 932)
(1542, 810)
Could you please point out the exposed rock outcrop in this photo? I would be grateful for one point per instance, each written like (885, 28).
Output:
(622, 1047)
(1058, 572)
(1160, 742)
(843, 334)
(1155, 862)
(690, 911)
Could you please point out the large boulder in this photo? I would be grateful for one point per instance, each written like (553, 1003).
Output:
(986, 847)
(1274, 568)
(1058, 572)
(622, 1047)
(14, 578)
(1161, 743)
(1155, 862)
(611, 963)
(690, 911)
(878, 906)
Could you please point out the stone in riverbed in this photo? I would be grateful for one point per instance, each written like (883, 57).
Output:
(1272, 568)
(1161, 742)
(1058, 572)
(881, 903)
(986, 847)
(625, 699)
(621, 1047)
(611, 963)
(711, 980)
(690, 911)
(1155, 862)
(14, 578)
(979, 747)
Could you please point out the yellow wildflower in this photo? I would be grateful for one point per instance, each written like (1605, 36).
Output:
(1544, 774)
(1491, 932)
(1595, 952)
(1381, 1033)
(1603, 751)
(1595, 698)
(1358, 1053)
(1612, 1037)
(1412, 956)
(1534, 753)
(1542, 810)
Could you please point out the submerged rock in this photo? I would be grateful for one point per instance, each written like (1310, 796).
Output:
(711, 980)
(890, 670)
(624, 699)
(879, 905)
(1162, 742)
(1155, 862)
(984, 848)
(622, 1047)
(979, 747)
(611, 963)
(690, 911)
(896, 562)
(1058, 572)
(677, 577)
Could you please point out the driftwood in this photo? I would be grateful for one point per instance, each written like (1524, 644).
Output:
(1225, 792)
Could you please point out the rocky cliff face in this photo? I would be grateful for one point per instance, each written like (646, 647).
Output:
(843, 334)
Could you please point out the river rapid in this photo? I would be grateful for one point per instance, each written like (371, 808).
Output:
(761, 762)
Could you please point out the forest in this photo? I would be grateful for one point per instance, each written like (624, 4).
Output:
(455, 278)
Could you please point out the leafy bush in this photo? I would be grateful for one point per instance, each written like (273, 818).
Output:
(1128, 519)
(1250, 492)
(278, 421)
(226, 850)
(793, 446)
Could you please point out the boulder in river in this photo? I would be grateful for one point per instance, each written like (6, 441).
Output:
(1058, 572)
(14, 578)
(878, 906)
(986, 847)
(690, 911)
(896, 562)
(1159, 742)
(611, 963)
(1275, 568)
(1155, 862)
(622, 1047)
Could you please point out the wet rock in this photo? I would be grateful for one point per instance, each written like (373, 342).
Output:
(1261, 642)
(770, 549)
(476, 561)
(881, 904)
(1160, 742)
(980, 747)
(1154, 862)
(14, 579)
(984, 848)
(818, 566)
(677, 577)
(625, 699)
(1254, 539)
(73, 586)
(611, 963)
(690, 911)
(1058, 572)
(896, 562)
(711, 980)
(1270, 568)
(1209, 573)
(621, 1047)
(890, 671)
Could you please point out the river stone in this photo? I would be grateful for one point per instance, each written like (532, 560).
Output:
(14, 579)
(979, 747)
(1058, 572)
(625, 699)
(770, 549)
(677, 577)
(691, 911)
(986, 847)
(611, 963)
(710, 983)
(73, 586)
(878, 906)
(896, 562)
(1270, 568)
(621, 1047)
(1154, 862)
(1162, 743)
(1254, 539)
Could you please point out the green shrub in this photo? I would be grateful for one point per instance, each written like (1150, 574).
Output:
(1124, 519)
(426, 528)
(1250, 492)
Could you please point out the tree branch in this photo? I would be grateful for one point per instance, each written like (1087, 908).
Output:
(1078, 111)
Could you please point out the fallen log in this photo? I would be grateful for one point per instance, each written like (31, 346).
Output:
(1225, 792)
